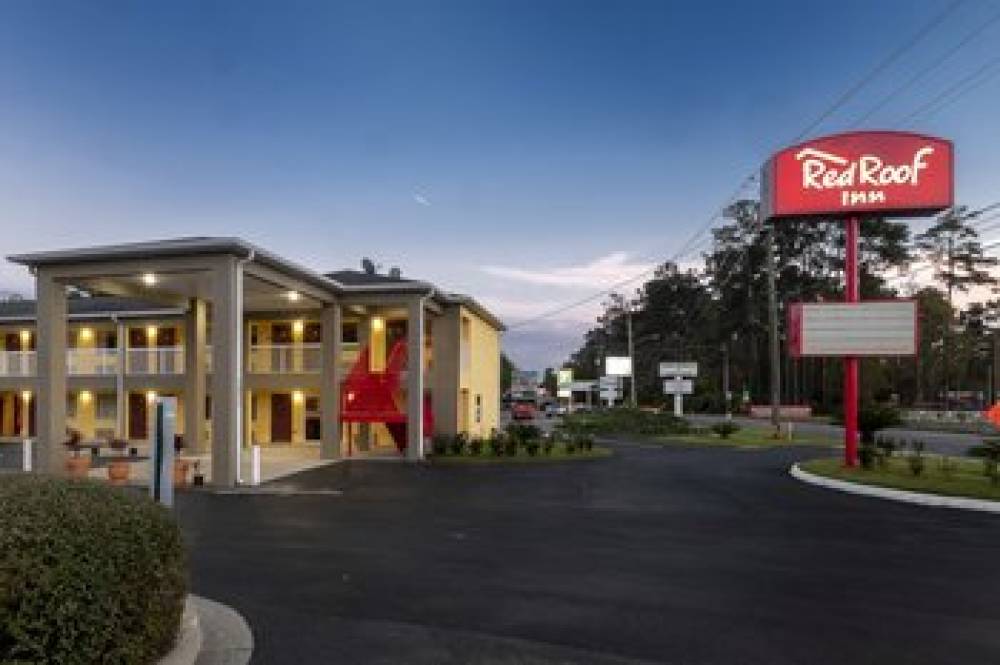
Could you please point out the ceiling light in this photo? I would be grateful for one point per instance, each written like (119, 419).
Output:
(293, 296)
(149, 279)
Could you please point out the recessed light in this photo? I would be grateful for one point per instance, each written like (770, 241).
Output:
(149, 279)
(293, 296)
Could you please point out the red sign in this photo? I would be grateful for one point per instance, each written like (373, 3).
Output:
(891, 173)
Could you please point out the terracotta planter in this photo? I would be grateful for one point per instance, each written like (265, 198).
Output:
(118, 471)
(181, 468)
(78, 467)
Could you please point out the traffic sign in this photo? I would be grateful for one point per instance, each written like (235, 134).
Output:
(678, 369)
(678, 387)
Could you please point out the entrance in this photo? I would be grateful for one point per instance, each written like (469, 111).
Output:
(137, 415)
(281, 418)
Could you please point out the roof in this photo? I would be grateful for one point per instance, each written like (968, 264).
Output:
(336, 282)
(85, 308)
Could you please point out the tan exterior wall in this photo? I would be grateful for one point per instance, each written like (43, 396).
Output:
(479, 351)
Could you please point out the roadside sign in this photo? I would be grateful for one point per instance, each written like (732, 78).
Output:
(678, 387)
(564, 392)
(618, 366)
(678, 369)
(873, 328)
(565, 376)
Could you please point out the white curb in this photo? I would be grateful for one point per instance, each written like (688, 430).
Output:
(904, 496)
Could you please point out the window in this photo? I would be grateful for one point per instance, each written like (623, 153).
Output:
(479, 408)
(71, 406)
(349, 332)
(312, 333)
(106, 407)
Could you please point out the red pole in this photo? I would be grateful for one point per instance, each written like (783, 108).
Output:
(852, 293)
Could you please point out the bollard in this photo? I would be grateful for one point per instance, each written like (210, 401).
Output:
(255, 465)
(26, 456)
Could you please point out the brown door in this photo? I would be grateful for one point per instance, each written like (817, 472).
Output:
(12, 342)
(312, 333)
(137, 338)
(166, 337)
(281, 418)
(281, 333)
(137, 416)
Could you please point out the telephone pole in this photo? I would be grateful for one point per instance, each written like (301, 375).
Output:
(631, 353)
(772, 304)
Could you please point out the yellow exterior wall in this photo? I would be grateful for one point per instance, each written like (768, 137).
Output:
(480, 375)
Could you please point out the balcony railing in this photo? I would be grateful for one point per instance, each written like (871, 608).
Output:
(155, 360)
(285, 359)
(17, 363)
(92, 362)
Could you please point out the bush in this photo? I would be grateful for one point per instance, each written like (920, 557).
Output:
(548, 444)
(532, 447)
(476, 446)
(725, 428)
(867, 454)
(88, 574)
(885, 447)
(439, 444)
(915, 460)
(496, 442)
(458, 443)
(873, 418)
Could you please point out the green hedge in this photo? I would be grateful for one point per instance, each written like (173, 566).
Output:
(88, 574)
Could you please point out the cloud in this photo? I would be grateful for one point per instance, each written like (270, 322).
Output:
(602, 272)
(421, 199)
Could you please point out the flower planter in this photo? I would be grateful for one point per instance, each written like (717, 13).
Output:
(118, 471)
(78, 467)
(181, 468)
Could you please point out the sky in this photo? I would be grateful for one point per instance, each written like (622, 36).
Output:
(527, 153)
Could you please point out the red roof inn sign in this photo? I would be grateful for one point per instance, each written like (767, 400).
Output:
(847, 177)
(873, 173)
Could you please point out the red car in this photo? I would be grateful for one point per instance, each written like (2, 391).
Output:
(523, 411)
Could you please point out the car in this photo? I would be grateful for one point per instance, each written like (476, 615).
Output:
(522, 411)
(553, 409)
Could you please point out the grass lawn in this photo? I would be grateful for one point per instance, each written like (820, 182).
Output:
(558, 454)
(967, 480)
(748, 437)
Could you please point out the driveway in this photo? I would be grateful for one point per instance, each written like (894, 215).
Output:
(659, 554)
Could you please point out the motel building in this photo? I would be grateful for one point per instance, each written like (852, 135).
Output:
(257, 350)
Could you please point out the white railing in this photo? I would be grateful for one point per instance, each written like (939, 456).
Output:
(285, 359)
(92, 362)
(155, 360)
(17, 363)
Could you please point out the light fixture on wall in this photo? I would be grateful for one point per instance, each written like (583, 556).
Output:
(150, 332)
(85, 397)
(293, 296)
(298, 326)
(148, 279)
(297, 396)
(26, 395)
(86, 334)
(150, 396)
(25, 338)
(378, 323)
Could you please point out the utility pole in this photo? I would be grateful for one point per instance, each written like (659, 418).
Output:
(631, 352)
(772, 303)
(725, 379)
(946, 342)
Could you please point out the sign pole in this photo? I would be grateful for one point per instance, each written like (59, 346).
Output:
(852, 294)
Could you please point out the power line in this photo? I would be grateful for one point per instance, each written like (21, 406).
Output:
(943, 97)
(921, 73)
(882, 66)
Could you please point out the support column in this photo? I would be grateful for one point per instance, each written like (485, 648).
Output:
(331, 333)
(121, 401)
(25, 398)
(227, 370)
(446, 372)
(195, 341)
(415, 380)
(50, 408)
(852, 294)
(363, 433)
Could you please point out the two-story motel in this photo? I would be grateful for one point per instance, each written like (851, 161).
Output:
(257, 350)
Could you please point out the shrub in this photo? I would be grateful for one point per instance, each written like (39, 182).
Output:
(991, 459)
(521, 433)
(476, 446)
(88, 574)
(548, 443)
(570, 447)
(885, 447)
(948, 466)
(874, 418)
(458, 443)
(725, 428)
(510, 446)
(440, 445)
(532, 447)
(496, 442)
(867, 454)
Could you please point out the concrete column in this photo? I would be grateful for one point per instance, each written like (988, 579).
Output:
(195, 340)
(26, 413)
(227, 370)
(445, 372)
(51, 393)
(415, 379)
(121, 401)
(363, 432)
(331, 327)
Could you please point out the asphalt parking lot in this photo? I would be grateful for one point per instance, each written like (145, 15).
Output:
(665, 555)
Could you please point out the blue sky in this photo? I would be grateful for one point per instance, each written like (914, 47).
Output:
(525, 152)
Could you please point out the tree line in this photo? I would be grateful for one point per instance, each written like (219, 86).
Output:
(719, 312)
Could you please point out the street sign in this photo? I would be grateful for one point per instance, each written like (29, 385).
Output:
(873, 328)
(565, 376)
(678, 369)
(857, 173)
(618, 366)
(678, 387)
(564, 392)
